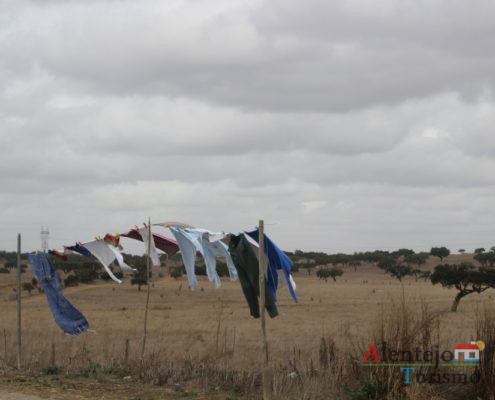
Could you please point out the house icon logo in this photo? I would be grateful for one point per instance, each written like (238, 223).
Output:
(468, 353)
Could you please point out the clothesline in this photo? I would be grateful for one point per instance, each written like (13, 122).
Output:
(239, 249)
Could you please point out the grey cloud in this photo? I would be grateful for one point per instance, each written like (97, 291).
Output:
(348, 125)
(288, 55)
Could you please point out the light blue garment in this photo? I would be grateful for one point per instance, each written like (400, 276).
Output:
(210, 251)
(67, 317)
(188, 246)
(193, 240)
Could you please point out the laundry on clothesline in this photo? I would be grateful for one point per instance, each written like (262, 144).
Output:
(67, 317)
(240, 251)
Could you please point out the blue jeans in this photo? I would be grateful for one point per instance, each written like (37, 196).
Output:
(67, 317)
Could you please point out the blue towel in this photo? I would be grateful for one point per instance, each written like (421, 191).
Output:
(67, 317)
(277, 259)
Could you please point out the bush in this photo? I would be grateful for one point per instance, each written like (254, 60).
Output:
(71, 280)
(175, 272)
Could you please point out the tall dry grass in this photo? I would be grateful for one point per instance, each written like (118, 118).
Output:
(205, 339)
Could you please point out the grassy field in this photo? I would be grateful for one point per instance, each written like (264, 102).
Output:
(206, 338)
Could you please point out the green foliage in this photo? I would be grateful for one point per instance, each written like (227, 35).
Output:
(485, 258)
(335, 272)
(440, 252)
(71, 280)
(51, 370)
(87, 275)
(465, 277)
(479, 250)
(325, 273)
(28, 286)
(176, 272)
(399, 271)
(371, 390)
(222, 269)
(403, 253)
(139, 276)
(416, 259)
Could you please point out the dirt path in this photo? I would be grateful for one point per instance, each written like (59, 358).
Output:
(63, 387)
(18, 396)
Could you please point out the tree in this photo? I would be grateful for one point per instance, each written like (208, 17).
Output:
(403, 252)
(28, 286)
(399, 271)
(71, 280)
(355, 264)
(175, 272)
(335, 272)
(323, 273)
(416, 259)
(440, 252)
(465, 277)
(485, 258)
(139, 276)
(425, 275)
(462, 251)
(479, 250)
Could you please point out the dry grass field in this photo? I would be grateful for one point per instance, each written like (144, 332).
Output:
(207, 339)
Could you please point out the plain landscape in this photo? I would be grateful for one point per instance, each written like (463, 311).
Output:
(204, 344)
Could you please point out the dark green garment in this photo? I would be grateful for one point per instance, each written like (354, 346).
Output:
(247, 266)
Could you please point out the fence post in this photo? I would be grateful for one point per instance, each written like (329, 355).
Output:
(18, 344)
(262, 271)
(148, 261)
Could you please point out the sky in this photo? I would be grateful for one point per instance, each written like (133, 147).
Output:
(346, 126)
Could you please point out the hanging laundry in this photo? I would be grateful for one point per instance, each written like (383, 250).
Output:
(149, 244)
(163, 243)
(59, 254)
(247, 266)
(67, 317)
(104, 254)
(114, 240)
(174, 223)
(277, 260)
(188, 245)
(211, 247)
(120, 260)
(193, 240)
(78, 248)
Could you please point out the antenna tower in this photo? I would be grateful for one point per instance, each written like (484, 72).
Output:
(45, 235)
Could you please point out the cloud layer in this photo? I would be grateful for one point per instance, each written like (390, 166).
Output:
(346, 125)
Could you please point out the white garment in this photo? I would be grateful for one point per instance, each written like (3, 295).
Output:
(144, 232)
(104, 254)
(282, 280)
(120, 259)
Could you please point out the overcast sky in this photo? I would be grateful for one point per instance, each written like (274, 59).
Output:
(347, 125)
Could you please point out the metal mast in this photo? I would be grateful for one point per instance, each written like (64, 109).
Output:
(45, 235)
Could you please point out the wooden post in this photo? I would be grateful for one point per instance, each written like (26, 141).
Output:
(262, 270)
(148, 261)
(126, 353)
(18, 301)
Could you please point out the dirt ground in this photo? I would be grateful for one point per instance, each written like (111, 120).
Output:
(71, 388)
